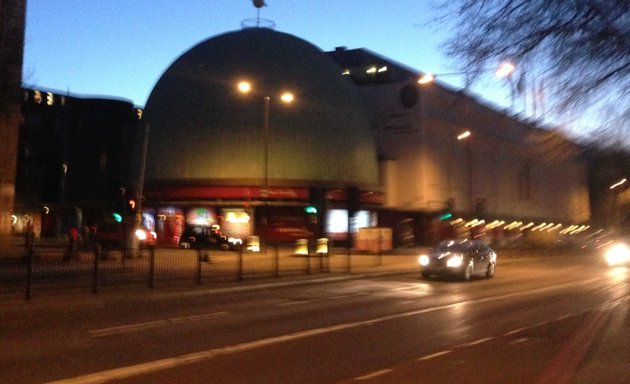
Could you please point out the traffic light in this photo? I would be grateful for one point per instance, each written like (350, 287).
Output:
(132, 205)
(316, 200)
(117, 217)
(447, 212)
(316, 204)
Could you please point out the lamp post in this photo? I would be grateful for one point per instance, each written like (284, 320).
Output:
(614, 210)
(285, 97)
(504, 70)
(469, 163)
(462, 136)
(134, 243)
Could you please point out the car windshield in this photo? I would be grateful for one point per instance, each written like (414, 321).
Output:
(454, 246)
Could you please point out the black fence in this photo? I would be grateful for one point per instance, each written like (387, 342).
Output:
(36, 270)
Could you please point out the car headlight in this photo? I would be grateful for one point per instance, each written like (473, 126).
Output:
(618, 254)
(235, 241)
(455, 261)
(141, 235)
(423, 260)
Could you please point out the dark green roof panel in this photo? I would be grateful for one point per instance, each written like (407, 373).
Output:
(203, 129)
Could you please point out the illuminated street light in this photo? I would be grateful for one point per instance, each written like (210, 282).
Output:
(463, 135)
(504, 70)
(287, 97)
(620, 182)
(426, 78)
(245, 87)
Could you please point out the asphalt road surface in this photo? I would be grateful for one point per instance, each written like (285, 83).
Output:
(540, 320)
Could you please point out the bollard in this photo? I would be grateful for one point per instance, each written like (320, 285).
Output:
(253, 244)
(321, 248)
(301, 247)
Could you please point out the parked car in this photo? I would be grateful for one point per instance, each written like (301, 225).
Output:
(115, 235)
(461, 258)
(208, 237)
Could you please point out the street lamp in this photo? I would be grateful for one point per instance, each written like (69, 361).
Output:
(466, 136)
(462, 136)
(620, 182)
(615, 212)
(285, 97)
(504, 70)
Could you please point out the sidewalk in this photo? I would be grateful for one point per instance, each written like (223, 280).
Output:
(218, 276)
(59, 282)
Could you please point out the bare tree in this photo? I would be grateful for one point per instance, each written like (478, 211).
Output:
(581, 47)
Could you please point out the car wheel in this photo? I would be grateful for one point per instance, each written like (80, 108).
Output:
(425, 274)
(468, 272)
(492, 269)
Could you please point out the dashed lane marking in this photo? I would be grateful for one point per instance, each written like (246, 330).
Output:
(434, 355)
(375, 374)
(128, 328)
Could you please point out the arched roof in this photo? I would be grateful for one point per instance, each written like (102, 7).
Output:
(203, 130)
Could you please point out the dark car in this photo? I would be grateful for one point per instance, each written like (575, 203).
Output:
(208, 237)
(461, 258)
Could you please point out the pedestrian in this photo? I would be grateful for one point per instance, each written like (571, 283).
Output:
(73, 239)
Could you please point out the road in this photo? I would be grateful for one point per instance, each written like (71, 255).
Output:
(540, 320)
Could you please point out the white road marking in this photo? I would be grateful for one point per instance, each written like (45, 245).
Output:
(375, 374)
(149, 367)
(347, 296)
(298, 302)
(478, 341)
(433, 356)
(517, 330)
(127, 328)
(518, 341)
(306, 301)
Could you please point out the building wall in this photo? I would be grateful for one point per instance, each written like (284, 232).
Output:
(12, 13)
(518, 170)
(76, 158)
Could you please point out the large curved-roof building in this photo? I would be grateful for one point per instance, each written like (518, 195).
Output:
(204, 131)
(213, 149)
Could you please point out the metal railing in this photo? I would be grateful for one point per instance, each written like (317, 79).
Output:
(34, 270)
